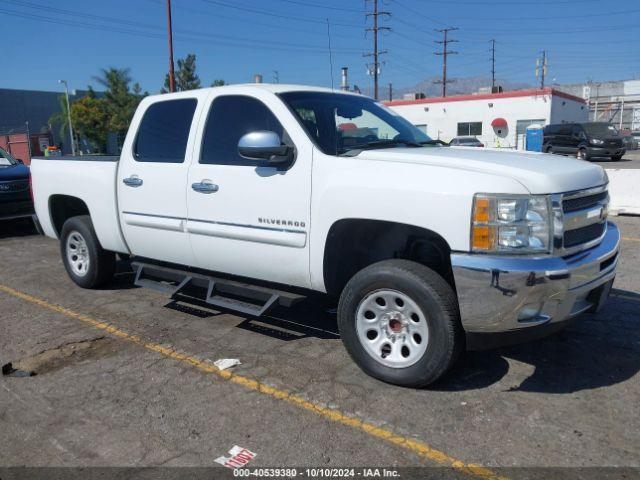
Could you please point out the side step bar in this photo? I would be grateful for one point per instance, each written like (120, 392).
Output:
(220, 292)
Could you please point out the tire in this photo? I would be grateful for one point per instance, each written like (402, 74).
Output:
(549, 150)
(423, 293)
(86, 262)
(616, 158)
(582, 154)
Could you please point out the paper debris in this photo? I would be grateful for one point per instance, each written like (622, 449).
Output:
(225, 363)
(239, 457)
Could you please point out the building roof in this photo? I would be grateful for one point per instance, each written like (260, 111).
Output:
(532, 92)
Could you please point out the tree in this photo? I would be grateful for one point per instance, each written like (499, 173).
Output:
(121, 102)
(186, 77)
(90, 117)
(61, 118)
(218, 83)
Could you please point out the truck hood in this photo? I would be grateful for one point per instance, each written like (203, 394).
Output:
(538, 172)
(14, 172)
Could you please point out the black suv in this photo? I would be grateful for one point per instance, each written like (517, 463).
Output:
(584, 140)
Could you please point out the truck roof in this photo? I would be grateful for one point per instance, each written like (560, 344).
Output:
(270, 87)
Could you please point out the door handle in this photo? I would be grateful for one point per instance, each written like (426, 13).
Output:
(132, 181)
(205, 186)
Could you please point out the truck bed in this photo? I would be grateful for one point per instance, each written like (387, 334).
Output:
(93, 183)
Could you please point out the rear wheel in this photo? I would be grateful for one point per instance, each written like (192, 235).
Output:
(549, 149)
(399, 321)
(86, 262)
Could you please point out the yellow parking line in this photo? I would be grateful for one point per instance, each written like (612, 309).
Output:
(631, 239)
(415, 446)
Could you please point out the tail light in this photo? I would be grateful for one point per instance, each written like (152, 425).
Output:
(481, 145)
(30, 187)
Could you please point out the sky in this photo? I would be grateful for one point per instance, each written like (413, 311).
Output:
(47, 40)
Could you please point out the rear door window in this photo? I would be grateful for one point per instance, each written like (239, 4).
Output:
(164, 131)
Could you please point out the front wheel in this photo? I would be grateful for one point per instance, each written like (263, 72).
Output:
(399, 321)
(582, 154)
(86, 262)
(616, 158)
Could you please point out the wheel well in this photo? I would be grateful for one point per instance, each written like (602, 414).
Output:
(353, 244)
(63, 207)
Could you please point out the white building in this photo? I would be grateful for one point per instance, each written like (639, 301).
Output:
(496, 119)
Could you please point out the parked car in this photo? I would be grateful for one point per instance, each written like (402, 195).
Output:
(584, 140)
(250, 196)
(15, 199)
(466, 142)
(630, 142)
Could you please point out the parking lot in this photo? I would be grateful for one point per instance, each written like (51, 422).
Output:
(123, 378)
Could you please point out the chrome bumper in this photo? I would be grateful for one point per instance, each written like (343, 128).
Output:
(501, 294)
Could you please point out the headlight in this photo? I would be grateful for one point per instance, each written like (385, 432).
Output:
(596, 141)
(511, 223)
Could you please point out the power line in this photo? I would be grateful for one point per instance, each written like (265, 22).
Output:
(445, 52)
(221, 40)
(327, 7)
(549, 17)
(375, 69)
(276, 15)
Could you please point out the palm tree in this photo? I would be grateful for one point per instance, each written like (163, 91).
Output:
(62, 118)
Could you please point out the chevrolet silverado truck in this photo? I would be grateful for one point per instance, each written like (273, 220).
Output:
(249, 196)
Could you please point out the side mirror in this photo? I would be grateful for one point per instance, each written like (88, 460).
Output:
(265, 145)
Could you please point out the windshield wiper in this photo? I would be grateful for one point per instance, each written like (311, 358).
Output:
(432, 142)
(355, 149)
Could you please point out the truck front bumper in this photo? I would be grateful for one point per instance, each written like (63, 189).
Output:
(501, 294)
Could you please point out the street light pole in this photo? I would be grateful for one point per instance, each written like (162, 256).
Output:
(66, 91)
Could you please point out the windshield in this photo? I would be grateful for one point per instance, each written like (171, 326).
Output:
(600, 129)
(340, 123)
(6, 160)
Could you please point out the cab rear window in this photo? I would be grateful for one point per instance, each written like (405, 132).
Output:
(164, 131)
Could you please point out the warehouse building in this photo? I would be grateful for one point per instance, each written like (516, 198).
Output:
(617, 102)
(496, 119)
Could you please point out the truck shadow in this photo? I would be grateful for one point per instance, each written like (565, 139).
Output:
(312, 317)
(596, 350)
(21, 227)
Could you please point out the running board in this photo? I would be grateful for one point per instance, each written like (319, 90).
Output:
(220, 292)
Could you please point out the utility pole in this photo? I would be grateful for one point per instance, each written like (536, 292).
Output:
(375, 69)
(66, 92)
(172, 76)
(493, 64)
(444, 42)
(390, 92)
(541, 68)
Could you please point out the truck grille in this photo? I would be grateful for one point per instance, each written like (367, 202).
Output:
(573, 204)
(584, 219)
(583, 235)
(14, 186)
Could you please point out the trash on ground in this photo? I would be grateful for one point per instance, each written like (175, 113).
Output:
(9, 371)
(225, 363)
(239, 457)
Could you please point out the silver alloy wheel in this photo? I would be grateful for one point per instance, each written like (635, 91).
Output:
(582, 154)
(77, 253)
(392, 328)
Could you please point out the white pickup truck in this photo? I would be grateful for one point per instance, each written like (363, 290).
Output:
(239, 195)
